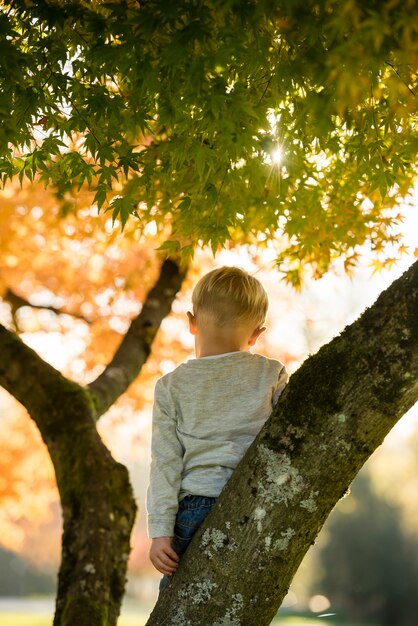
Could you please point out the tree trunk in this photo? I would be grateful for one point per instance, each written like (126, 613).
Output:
(97, 500)
(335, 411)
(98, 513)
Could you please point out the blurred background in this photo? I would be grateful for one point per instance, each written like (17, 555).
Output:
(70, 282)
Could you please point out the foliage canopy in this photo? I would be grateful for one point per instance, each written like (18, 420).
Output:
(244, 120)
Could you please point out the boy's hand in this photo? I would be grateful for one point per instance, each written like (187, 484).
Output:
(162, 555)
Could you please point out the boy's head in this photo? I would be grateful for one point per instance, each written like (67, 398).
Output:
(229, 296)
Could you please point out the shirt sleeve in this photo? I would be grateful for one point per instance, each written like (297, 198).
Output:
(280, 385)
(166, 466)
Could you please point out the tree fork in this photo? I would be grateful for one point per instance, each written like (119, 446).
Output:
(335, 411)
(97, 500)
(96, 495)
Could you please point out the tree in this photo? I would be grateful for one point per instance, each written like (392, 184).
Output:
(96, 496)
(188, 105)
(219, 121)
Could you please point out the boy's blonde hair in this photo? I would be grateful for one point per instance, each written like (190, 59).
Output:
(230, 295)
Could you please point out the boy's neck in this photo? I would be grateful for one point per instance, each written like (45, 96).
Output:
(214, 347)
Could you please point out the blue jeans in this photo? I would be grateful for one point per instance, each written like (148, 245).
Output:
(191, 513)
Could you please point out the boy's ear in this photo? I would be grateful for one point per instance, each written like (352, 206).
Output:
(192, 323)
(255, 335)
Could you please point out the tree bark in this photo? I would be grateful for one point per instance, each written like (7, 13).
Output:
(335, 411)
(97, 499)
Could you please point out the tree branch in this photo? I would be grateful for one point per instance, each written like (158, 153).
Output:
(38, 386)
(400, 78)
(17, 302)
(136, 344)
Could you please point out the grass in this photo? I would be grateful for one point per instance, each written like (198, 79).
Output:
(11, 619)
(38, 611)
(24, 619)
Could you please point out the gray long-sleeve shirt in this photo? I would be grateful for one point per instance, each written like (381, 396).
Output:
(206, 414)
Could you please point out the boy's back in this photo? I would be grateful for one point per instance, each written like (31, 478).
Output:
(213, 408)
(208, 410)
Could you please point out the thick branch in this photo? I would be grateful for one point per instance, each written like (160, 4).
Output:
(34, 383)
(335, 412)
(136, 344)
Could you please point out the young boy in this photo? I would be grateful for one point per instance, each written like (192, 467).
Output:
(208, 410)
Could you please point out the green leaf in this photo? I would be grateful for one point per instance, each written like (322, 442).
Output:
(170, 246)
(100, 196)
(121, 207)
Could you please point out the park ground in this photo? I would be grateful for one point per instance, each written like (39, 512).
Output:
(13, 619)
(38, 612)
